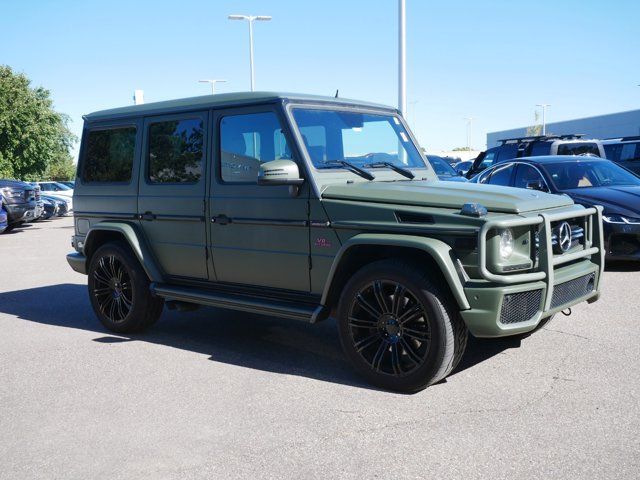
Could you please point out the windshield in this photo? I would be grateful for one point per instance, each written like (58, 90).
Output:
(361, 139)
(63, 186)
(441, 166)
(589, 173)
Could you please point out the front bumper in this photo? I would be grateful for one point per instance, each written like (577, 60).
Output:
(498, 310)
(622, 241)
(509, 304)
(77, 262)
(20, 212)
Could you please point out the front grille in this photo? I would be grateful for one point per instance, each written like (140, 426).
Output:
(569, 291)
(520, 307)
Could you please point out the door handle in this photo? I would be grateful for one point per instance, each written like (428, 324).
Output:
(221, 220)
(149, 216)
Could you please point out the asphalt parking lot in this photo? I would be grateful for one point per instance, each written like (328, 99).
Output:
(217, 394)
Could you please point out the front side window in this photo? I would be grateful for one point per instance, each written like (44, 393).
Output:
(363, 139)
(576, 148)
(175, 151)
(109, 155)
(527, 175)
(248, 140)
(501, 176)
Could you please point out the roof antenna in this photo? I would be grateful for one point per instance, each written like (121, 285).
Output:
(336, 95)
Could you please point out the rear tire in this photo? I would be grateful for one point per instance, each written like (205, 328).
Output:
(119, 290)
(399, 328)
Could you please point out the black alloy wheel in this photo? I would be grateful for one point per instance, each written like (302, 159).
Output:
(112, 290)
(119, 290)
(389, 327)
(399, 326)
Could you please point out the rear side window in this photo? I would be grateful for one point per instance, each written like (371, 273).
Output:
(613, 151)
(109, 155)
(175, 151)
(630, 151)
(585, 148)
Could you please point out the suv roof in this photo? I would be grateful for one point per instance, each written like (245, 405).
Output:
(542, 138)
(224, 99)
(634, 138)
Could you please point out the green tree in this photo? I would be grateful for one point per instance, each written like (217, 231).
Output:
(34, 139)
(461, 149)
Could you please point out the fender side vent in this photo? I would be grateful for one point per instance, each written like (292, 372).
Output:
(410, 217)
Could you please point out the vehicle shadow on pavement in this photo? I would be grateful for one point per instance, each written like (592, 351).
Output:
(236, 338)
(621, 266)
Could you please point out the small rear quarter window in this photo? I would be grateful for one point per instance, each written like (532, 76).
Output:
(109, 155)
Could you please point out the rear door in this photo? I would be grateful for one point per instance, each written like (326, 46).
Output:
(171, 197)
(259, 234)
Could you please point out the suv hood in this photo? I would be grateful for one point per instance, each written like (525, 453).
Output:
(447, 195)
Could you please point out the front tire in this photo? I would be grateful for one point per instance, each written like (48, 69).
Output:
(399, 328)
(119, 290)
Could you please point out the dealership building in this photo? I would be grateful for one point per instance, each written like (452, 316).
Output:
(622, 124)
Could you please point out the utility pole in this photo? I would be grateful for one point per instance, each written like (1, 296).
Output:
(251, 19)
(213, 84)
(402, 57)
(544, 120)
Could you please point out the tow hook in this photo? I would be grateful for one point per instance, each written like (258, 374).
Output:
(566, 312)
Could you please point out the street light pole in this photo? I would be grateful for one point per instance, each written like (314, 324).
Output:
(402, 57)
(251, 19)
(469, 131)
(544, 120)
(213, 84)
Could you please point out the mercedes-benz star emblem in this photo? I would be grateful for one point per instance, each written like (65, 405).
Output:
(564, 237)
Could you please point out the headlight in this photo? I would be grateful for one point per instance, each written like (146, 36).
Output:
(620, 219)
(506, 243)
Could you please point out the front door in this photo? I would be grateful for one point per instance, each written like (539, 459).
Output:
(259, 234)
(172, 193)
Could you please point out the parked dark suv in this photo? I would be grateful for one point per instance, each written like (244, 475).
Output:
(19, 199)
(624, 151)
(511, 148)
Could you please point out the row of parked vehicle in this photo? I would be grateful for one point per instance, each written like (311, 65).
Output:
(591, 172)
(24, 202)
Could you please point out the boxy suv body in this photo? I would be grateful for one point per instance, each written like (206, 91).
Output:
(511, 148)
(308, 207)
(625, 151)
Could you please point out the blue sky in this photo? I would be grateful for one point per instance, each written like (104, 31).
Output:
(492, 60)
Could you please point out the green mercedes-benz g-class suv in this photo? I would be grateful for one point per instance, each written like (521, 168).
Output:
(309, 207)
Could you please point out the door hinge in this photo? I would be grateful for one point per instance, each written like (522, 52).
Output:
(310, 262)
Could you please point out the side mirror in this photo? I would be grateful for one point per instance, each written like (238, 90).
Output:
(536, 185)
(279, 172)
(460, 173)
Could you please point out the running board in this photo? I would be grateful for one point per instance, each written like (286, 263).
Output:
(265, 306)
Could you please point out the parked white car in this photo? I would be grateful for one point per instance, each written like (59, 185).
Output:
(57, 189)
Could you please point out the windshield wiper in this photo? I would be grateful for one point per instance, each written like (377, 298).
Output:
(351, 167)
(402, 171)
